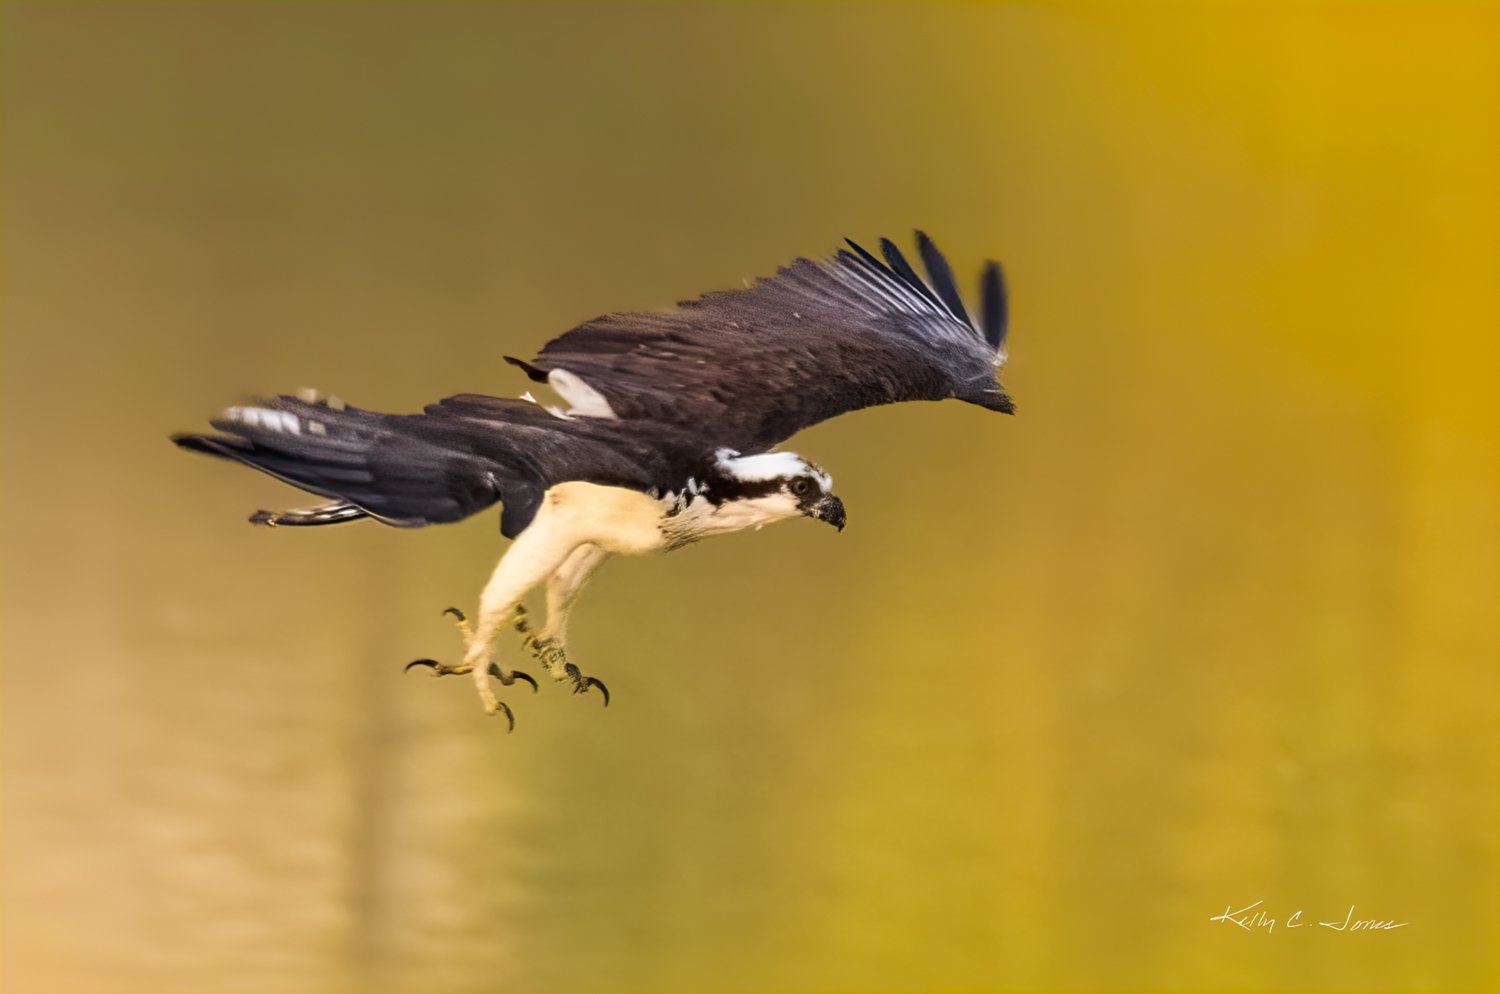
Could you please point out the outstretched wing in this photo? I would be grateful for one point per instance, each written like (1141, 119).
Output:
(748, 368)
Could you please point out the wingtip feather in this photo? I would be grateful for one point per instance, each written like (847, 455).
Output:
(941, 277)
(902, 268)
(994, 305)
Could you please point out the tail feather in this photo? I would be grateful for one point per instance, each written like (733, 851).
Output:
(368, 464)
(332, 513)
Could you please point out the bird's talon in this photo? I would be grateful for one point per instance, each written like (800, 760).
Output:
(506, 679)
(456, 613)
(581, 683)
(493, 707)
(438, 669)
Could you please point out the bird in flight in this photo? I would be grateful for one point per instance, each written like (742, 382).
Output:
(668, 434)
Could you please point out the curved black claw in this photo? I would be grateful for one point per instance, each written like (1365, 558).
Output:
(503, 708)
(506, 679)
(581, 683)
(458, 615)
(433, 664)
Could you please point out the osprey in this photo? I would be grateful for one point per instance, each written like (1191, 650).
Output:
(668, 435)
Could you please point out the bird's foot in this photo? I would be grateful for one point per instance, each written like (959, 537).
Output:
(582, 683)
(492, 705)
(554, 657)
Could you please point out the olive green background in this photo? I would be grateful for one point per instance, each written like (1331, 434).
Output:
(1211, 621)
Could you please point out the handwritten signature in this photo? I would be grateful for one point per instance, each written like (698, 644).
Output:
(1250, 919)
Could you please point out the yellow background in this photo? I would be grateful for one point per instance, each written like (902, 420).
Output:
(1213, 620)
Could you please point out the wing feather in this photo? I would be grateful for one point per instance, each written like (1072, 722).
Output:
(903, 269)
(942, 277)
(994, 306)
(748, 368)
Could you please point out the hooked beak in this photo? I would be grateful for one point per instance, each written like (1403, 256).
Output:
(831, 510)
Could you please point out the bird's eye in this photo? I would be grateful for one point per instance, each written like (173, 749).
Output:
(801, 486)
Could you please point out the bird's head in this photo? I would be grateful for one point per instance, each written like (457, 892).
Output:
(785, 485)
(813, 493)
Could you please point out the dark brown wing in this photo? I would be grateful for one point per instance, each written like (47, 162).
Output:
(746, 369)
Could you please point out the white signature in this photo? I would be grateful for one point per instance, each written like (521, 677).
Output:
(1250, 919)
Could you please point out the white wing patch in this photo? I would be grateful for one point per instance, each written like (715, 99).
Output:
(583, 400)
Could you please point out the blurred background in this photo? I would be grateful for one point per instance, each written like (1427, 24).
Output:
(1212, 621)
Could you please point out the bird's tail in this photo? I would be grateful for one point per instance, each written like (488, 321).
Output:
(368, 464)
(332, 513)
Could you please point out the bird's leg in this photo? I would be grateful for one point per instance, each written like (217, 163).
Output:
(551, 655)
(538, 552)
(550, 644)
